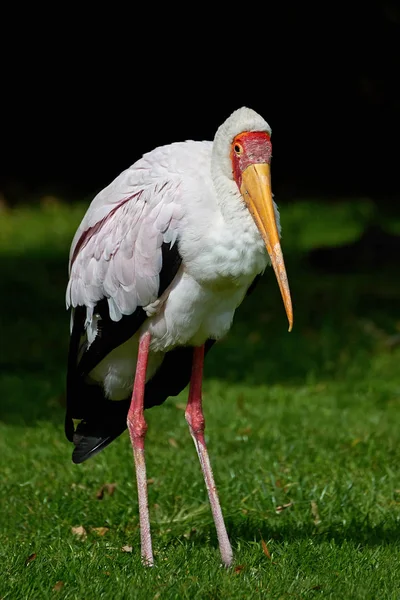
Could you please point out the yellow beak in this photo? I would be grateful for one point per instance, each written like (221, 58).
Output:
(256, 191)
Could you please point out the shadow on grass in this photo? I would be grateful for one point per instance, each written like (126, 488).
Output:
(359, 533)
(328, 338)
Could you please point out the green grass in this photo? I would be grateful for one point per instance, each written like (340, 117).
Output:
(308, 421)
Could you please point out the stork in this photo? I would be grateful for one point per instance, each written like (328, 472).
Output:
(163, 257)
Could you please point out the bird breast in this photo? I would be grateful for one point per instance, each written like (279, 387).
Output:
(217, 270)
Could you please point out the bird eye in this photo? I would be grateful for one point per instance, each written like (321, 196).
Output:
(238, 149)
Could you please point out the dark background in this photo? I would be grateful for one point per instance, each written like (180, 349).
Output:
(81, 104)
(325, 79)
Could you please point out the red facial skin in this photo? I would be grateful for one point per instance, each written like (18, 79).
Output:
(254, 147)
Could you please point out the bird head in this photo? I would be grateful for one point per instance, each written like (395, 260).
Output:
(248, 164)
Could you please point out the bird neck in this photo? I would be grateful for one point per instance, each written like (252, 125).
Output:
(233, 209)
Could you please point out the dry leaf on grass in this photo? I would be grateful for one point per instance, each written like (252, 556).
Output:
(107, 487)
(264, 546)
(79, 531)
(265, 549)
(283, 507)
(315, 513)
(30, 558)
(126, 548)
(100, 530)
(239, 568)
(57, 586)
(173, 442)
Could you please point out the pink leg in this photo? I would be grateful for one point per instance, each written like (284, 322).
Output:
(137, 430)
(195, 418)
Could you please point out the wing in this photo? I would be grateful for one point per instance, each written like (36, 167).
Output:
(123, 257)
(117, 251)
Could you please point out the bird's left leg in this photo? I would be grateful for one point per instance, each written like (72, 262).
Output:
(195, 419)
(137, 431)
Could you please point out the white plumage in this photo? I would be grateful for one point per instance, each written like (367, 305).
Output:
(182, 192)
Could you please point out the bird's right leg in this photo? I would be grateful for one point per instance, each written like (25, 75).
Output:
(195, 419)
(137, 431)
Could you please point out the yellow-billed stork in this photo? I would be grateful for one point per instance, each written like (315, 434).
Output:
(163, 257)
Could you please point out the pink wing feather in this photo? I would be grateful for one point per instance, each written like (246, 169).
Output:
(116, 252)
